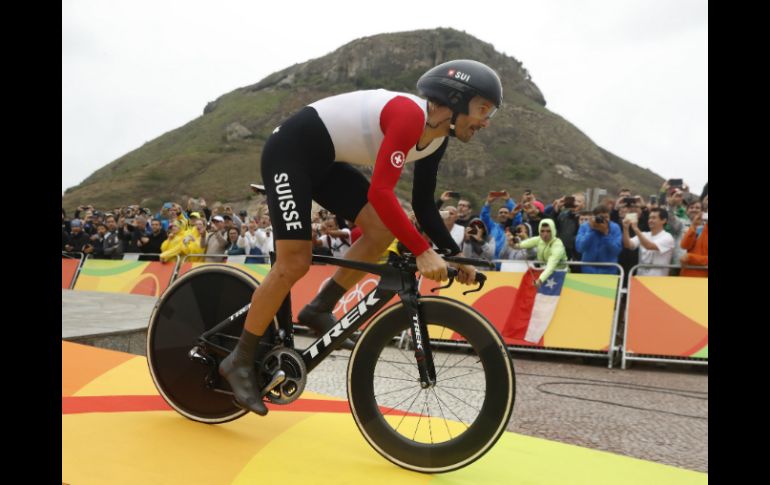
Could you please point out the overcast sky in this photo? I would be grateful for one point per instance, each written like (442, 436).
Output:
(630, 74)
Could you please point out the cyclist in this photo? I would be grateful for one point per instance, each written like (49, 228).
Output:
(308, 157)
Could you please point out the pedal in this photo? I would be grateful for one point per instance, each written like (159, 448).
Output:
(196, 356)
(277, 379)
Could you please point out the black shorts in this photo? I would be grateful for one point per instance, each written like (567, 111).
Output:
(298, 167)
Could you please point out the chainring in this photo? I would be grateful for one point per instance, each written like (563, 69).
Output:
(291, 362)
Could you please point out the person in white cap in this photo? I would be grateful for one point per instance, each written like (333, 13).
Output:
(216, 240)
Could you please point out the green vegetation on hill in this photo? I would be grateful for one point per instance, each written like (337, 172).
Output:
(526, 146)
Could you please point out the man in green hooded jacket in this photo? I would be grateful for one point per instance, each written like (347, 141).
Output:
(549, 249)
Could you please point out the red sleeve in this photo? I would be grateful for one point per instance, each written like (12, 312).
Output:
(402, 122)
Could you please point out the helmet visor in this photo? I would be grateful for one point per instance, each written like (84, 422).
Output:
(484, 110)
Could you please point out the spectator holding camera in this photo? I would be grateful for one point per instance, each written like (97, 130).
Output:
(173, 245)
(77, 238)
(623, 194)
(696, 242)
(89, 223)
(320, 245)
(532, 213)
(138, 231)
(216, 241)
(628, 258)
(675, 205)
(655, 246)
(455, 230)
(151, 243)
(175, 214)
(464, 214)
(497, 229)
(193, 240)
(568, 223)
(95, 245)
(335, 239)
(124, 229)
(549, 249)
(113, 245)
(667, 190)
(253, 241)
(478, 243)
(266, 233)
(249, 235)
(197, 206)
(522, 232)
(680, 224)
(599, 241)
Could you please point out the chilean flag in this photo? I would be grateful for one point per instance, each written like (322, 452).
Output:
(533, 309)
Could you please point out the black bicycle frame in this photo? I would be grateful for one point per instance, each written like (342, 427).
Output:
(394, 280)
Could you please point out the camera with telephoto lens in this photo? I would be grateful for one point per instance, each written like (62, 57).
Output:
(600, 219)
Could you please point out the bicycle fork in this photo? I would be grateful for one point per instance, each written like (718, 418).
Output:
(420, 339)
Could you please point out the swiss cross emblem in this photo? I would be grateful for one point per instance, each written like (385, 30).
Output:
(397, 159)
(452, 73)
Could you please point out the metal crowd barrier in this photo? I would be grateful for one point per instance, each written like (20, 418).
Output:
(79, 256)
(624, 351)
(611, 348)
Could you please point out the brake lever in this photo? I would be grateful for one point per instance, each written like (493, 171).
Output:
(451, 280)
(481, 278)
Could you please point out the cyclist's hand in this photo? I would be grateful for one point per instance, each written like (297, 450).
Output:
(466, 274)
(431, 266)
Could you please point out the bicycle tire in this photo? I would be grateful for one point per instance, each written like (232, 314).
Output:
(193, 304)
(498, 396)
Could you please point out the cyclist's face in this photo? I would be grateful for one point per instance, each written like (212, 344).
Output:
(480, 111)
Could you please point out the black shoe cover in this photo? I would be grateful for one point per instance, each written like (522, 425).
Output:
(320, 323)
(243, 381)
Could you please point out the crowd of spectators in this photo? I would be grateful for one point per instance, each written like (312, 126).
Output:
(200, 233)
(668, 228)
